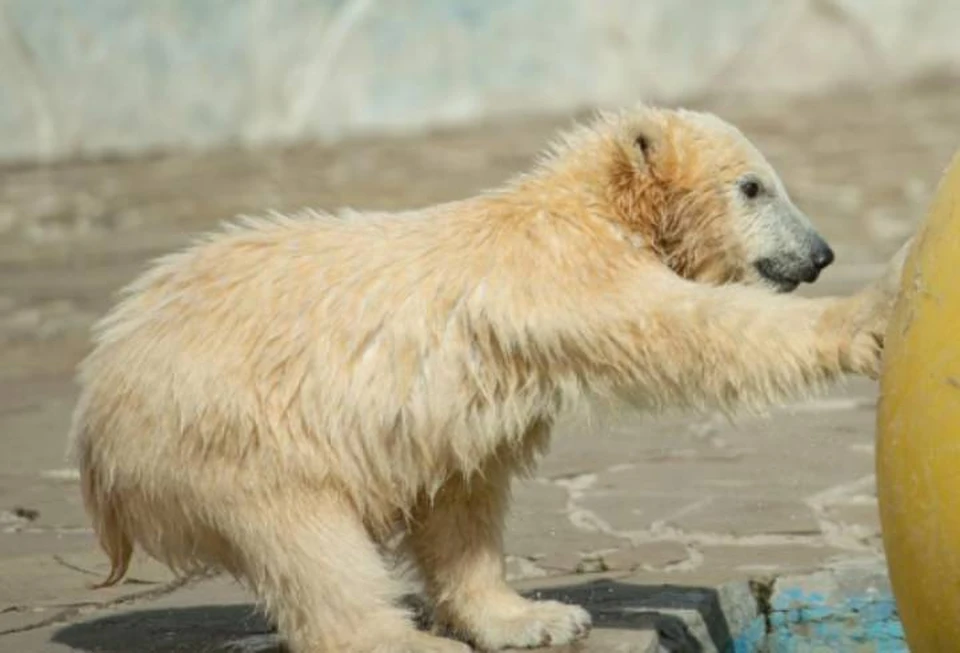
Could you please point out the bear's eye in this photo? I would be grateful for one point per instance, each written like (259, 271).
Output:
(750, 188)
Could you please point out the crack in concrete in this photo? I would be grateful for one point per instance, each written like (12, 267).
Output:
(832, 533)
(762, 592)
(75, 610)
(130, 580)
(836, 533)
(527, 567)
(33, 529)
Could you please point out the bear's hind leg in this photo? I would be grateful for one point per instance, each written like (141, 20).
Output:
(320, 577)
(457, 538)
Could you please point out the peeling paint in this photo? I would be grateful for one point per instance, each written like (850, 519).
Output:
(804, 621)
(845, 609)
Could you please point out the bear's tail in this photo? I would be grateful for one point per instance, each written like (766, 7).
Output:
(103, 505)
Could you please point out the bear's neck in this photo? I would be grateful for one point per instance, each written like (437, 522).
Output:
(570, 187)
(591, 188)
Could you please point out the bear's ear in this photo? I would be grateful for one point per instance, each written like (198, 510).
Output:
(646, 138)
(642, 143)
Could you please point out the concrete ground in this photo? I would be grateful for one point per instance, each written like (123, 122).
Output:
(648, 521)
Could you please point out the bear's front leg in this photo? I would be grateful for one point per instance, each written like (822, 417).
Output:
(457, 538)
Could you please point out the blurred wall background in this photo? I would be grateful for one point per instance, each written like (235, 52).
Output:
(93, 77)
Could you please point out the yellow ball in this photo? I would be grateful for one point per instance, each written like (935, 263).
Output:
(918, 432)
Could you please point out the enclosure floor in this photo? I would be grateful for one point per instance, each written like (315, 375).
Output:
(693, 501)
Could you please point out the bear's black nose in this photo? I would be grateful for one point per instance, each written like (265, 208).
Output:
(822, 255)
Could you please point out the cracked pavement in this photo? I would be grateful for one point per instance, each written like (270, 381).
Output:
(641, 501)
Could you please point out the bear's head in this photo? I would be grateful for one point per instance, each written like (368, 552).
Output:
(694, 189)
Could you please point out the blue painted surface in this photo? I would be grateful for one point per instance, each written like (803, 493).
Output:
(752, 639)
(808, 621)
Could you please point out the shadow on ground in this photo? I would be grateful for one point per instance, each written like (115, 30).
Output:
(201, 629)
(626, 606)
(238, 628)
